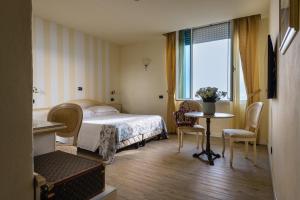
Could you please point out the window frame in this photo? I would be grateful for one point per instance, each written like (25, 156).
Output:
(177, 66)
(231, 82)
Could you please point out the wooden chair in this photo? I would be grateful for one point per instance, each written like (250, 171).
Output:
(188, 125)
(71, 115)
(249, 134)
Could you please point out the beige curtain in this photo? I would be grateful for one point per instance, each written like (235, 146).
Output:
(245, 58)
(239, 106)
(246, 30)
(171, 78)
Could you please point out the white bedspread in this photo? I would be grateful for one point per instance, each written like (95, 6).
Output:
(115, 128)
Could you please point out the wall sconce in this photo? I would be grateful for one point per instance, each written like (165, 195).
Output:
(146, 63)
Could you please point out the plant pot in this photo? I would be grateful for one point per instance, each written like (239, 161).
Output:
(209, 108)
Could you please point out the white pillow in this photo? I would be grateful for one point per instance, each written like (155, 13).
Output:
(103, 110)
(87, 113)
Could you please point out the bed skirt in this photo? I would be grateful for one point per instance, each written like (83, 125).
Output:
(108, 156)
(138, 138)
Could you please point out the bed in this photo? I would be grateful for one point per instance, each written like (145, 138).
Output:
(105, 130)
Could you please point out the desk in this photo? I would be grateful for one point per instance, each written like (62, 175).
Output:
(44, 136)
(211, 156)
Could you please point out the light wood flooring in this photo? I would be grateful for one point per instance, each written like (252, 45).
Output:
(158, 172)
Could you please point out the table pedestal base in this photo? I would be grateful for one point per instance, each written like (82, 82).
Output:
(211, 156)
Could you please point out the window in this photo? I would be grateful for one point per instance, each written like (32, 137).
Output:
(204, 59)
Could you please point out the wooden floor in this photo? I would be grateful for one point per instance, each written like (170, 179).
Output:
(158, 172)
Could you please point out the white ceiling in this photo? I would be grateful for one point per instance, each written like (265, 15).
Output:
(131, 21)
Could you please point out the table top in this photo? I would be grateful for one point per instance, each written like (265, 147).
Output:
(202, 115)
(40, 126)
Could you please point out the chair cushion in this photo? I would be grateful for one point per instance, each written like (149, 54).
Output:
(195, 128)
(198, 126)
(238, 133)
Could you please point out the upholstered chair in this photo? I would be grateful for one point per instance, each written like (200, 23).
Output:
(71, 115)
(188, 125)
(248, 134)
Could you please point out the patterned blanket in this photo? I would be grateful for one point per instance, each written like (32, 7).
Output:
(106, 132)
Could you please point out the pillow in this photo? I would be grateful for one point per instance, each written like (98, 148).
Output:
(103, 110)
(87, 113)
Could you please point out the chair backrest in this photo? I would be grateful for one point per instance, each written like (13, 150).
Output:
(184, 107)
(71, 115)
(253, 115)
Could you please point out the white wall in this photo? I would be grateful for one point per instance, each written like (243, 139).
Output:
(139, 88)
(285, 117)
(65, 59)
(16, 173)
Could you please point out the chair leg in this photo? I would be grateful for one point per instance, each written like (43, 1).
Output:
(254, 151)
(223, 138)
(198, 139)
(181, 138)
(202, 142)
(246, 149)
(178, 138)
(231, 151)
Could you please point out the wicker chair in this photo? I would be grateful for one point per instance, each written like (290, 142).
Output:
(71, 115)
(188, 125)
(246, 135)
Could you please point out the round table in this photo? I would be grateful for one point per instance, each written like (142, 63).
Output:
(211, 156)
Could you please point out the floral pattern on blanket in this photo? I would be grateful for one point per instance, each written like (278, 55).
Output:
(107, 147)
(130, 129)
(112, 135)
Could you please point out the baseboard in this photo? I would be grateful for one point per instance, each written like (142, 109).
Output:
(271, 170)
(110, 193)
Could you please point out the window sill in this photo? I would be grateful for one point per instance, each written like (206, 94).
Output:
(200, 101)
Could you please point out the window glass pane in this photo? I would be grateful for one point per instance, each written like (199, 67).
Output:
(212, 65)
(184, 65)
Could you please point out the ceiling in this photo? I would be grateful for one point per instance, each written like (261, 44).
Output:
(130, 21)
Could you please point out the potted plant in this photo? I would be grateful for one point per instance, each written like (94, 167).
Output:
(209, 96)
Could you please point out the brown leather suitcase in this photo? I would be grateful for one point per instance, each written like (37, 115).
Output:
(69, 177)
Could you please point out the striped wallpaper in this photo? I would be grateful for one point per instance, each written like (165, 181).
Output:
(65, 59)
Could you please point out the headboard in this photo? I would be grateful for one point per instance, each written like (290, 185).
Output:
(85, 103)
